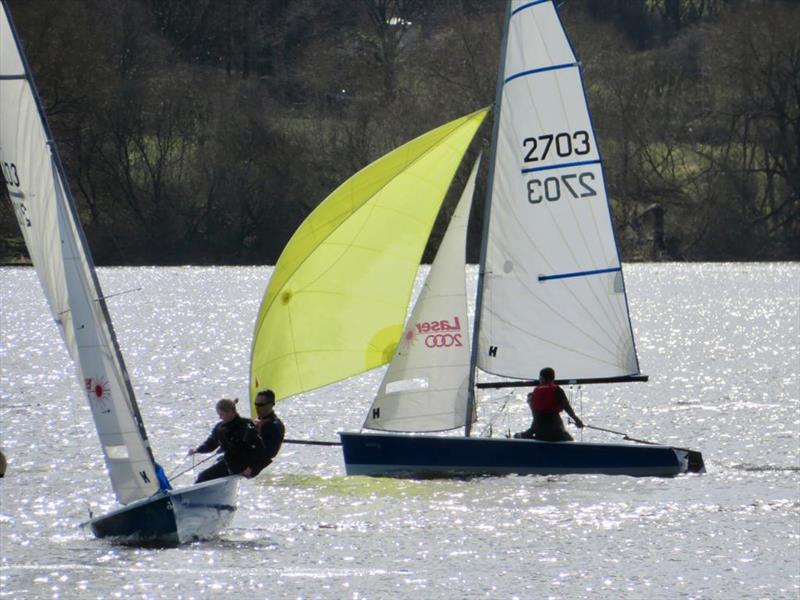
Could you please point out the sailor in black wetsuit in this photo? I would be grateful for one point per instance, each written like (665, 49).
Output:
(270, 427)
(243, 449)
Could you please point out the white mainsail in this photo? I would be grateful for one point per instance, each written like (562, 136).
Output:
(47, 216)
(425, 386)
(552, 287)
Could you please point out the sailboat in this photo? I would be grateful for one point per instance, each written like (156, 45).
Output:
(550, 289)
(150, 510)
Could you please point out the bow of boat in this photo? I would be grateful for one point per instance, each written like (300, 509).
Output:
(172, 517)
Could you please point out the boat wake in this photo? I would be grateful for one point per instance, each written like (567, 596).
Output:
(765, 468)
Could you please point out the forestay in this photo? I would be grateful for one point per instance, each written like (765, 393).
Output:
(43, 206)
(425, 386)
(337, 299)
(553, 292)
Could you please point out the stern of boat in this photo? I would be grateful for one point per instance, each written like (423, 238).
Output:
(203, 510)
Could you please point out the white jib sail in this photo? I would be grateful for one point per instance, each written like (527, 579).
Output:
(55, 242)
(425, 385)
(553, 293)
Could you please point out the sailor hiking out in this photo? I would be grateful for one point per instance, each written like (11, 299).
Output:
(243, 450)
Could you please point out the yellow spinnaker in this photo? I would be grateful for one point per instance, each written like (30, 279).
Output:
(338, 296)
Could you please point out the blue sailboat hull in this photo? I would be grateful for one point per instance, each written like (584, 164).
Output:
(398, 455)
(173, 517)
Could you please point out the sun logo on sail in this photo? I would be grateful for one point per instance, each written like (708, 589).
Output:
(97, 389)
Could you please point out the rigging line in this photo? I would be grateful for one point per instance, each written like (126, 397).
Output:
(194, 464)
(633, 439)
(106, 297)
(311, 442)
(500, 412)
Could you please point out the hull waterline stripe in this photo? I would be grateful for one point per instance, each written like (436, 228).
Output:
(578, 274)
(528, 5)
(562, 166)
(540, 70)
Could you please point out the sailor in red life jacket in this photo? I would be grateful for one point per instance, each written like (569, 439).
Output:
(546, 401)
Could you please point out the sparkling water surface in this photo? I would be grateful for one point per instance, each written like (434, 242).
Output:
(719, 341)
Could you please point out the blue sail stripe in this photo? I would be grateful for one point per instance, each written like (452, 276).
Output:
(540, 70)
(578, 274)
(528, 5)
(12, 77)
(582, 163)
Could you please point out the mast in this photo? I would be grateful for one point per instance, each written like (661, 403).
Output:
(487, 209)
(70, 280)
(70, 206)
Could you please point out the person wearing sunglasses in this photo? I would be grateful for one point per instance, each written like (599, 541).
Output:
(269, 426)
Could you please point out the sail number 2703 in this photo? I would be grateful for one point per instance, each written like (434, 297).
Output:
(556, 187)
(554, 146)
(561, 144)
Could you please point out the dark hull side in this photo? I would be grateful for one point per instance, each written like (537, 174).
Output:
(398, 455)
(173, 517)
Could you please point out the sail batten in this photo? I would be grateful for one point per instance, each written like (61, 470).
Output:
(578, 274)
(526, 5)
(560, 166)
(540, 70)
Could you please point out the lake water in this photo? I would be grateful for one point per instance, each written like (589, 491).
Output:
(719, 341)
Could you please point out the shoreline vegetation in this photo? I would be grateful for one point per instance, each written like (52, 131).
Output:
(204, 133)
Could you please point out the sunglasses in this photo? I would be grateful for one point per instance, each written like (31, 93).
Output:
(263, 403)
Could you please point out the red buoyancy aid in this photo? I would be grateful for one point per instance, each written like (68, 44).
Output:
(543, 398)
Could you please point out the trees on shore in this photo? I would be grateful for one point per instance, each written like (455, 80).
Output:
(204, 132)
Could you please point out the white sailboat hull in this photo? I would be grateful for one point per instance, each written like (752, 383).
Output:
(196, 512)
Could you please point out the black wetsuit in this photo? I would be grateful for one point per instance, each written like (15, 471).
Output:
(272, 432)
(241, 445)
